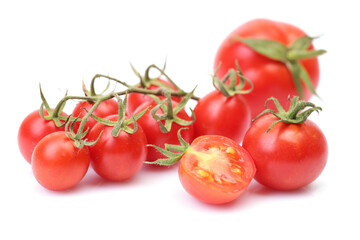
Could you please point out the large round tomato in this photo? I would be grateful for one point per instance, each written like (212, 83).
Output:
(289, 156)
(32, 129)
(117, 158)
(136, 99)
(153, 132)
(220, 115)
(270, 78)
(106, 108)
(57, 163)
(215, 169)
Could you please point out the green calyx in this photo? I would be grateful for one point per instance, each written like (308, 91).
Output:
(233, 88)
(146, 81)
(296, 113)
(172, 152)
(170, 113)
(122, 124)
(290, 56)
(55, 116)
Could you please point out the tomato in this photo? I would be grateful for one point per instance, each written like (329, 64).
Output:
(57, 163)
(215, 169)
(270, 78)
(220, 115)
(289, 156)
(106, 108)
(153, 132)
(117, 158)
(136, 99)
(32, 129)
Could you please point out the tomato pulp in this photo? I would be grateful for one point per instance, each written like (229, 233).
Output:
(215, 169)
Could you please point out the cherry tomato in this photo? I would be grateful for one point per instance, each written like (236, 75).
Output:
(270, 78)
(117, 158)
(289, 156)
(136, 99)
(153, 132)
(57, 163)
(220, 115)
(215, 169)
(32, 129)
(106, 108)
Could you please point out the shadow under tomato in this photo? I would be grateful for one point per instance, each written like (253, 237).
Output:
(258, 189)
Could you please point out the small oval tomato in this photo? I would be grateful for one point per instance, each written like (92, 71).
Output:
(220, 115)
(106, 108)
(153, 132)
(270, 78)
(32, 129)
(57, 163)
(287, 157)
(136, 99)
(117, 158)
(215, 169)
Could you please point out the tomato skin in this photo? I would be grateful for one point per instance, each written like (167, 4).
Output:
(156, 137)
(32, 129)
(270, 78)
(106, 108)
(219, 156)
(136, 99)
(57, 164)
(289, 156)
(220, 115)
(117, 158)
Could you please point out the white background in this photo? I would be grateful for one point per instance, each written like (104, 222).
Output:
(60, 44)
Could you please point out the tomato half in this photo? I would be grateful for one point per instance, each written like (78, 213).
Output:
(215, 169)
(220, 115)
(153, 132)
(106, 108)
(270, 78)
(57, 164)
(117, 158)
(32, 129)
(136, 99)
(289, 156)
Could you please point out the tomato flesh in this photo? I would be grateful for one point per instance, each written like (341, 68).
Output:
(215, 169)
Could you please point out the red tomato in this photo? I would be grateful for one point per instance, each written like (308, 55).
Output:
(270, 78)
(153, 132)
(57, 164)
(117, 158)
(106, 108)
(289, 156)
(136, 99)
(215, 169)
(220, 115)
(32, 129)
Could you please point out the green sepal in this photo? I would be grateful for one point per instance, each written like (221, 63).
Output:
(231, 89)
(296, 113)
(172, 157)
(170, 113)
(271, 49)
(290, 56)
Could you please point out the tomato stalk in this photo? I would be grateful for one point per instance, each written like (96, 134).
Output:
(296, 113)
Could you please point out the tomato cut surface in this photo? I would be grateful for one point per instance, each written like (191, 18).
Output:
(215, 169)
